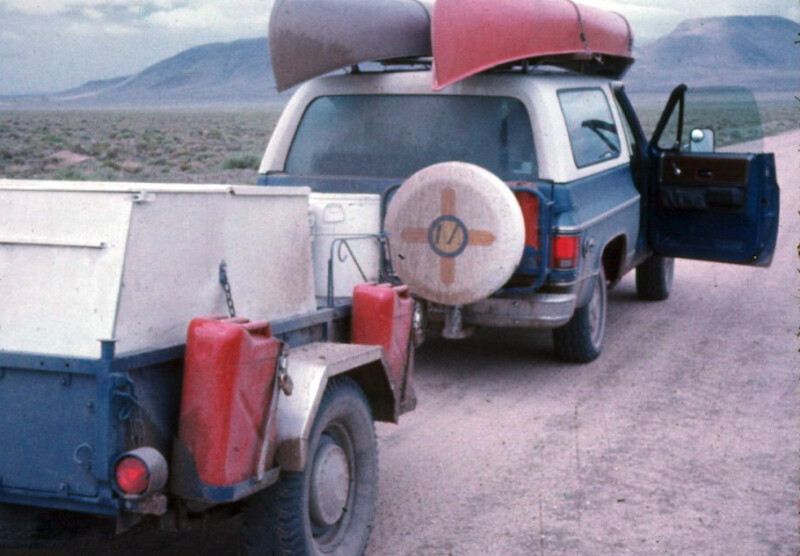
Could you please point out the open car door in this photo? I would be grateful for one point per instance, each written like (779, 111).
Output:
(705, 203)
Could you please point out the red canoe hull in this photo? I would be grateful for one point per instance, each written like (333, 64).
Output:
(471, 36)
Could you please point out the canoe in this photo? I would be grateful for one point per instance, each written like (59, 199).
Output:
(308, 38)
(471, 36)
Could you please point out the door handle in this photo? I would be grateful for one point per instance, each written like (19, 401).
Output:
(705, 174)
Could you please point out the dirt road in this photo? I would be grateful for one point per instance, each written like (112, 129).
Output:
(683, 438)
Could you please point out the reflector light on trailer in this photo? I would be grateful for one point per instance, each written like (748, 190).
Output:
(565, 252)
(140, 472)
(132, 475)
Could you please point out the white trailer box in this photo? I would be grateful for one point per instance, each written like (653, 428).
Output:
(85, 262)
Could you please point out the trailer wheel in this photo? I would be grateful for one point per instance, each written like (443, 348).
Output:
(581, 339)
(328, 508)
(24, 527)
(654, 278)
(18, 526)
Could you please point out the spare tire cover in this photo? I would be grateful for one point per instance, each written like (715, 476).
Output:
(456, 233)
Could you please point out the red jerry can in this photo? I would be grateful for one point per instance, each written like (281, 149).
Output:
(228, 389)
(382, 315)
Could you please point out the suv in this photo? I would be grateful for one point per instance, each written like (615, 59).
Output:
(515, 181)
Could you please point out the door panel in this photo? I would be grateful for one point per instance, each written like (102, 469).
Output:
(711, 206)
(703, 182)
(719, 208)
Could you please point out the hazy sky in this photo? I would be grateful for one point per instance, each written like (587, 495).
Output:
(50, 45)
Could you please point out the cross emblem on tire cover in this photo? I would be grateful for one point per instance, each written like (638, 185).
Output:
(448, 236)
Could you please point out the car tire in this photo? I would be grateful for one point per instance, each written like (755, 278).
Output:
(581, 339)
(300, 515)
(654, 278)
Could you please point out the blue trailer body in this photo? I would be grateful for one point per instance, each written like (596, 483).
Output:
(66, 419)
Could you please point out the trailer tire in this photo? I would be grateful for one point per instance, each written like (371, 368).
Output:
(301, 514)
(17, 526)
(25, 527)
(654, 278)
(581, 339)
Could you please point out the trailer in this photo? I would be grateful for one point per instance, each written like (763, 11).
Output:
(164, 360)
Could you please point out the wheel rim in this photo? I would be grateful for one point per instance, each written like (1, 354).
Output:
(330, 484)
(597, 309)
(331, 488)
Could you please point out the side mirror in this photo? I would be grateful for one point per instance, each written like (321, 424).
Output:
(701, 141)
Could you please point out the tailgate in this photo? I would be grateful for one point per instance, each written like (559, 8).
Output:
(48, 431)
(65, 420)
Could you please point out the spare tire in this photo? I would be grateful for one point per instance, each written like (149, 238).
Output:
(456, 233)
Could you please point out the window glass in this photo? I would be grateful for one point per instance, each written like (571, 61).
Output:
(730, 115)
(592, 132)
(669, 139)
(396, 135)
(626, 127)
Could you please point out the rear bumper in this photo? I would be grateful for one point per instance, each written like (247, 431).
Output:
(543, 310)
(539, 310)
(101, 506)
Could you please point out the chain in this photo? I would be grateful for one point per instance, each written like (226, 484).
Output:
(130, 411)
(223, 279)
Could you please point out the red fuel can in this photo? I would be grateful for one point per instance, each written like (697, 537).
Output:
(228, 387)
(382, 315)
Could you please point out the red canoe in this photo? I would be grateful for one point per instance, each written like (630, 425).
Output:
(470, 36)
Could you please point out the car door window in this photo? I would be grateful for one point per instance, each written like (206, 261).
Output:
(713, 117)
(593, 134)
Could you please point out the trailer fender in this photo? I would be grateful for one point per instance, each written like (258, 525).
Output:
(310, 368)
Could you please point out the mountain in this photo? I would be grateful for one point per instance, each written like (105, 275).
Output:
(757, 52)
(754, 51)
(231, 73)
(93, 88)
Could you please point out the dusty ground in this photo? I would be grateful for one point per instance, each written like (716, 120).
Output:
(683, 438)
(174, 146)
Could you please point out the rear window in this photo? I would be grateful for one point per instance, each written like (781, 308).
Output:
(393, 136)
(592, 133)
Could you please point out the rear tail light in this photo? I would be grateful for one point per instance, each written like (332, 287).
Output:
(529, 204)
(565, 252)
(140, 472)
(132, 475)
